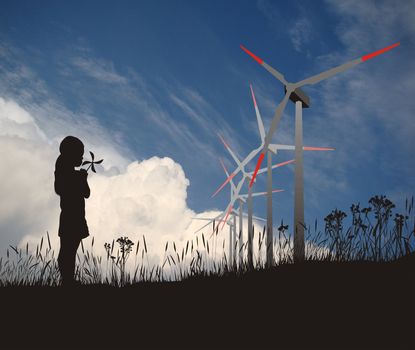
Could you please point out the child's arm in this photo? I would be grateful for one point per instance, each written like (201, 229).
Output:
(58, 184)
(85, 191)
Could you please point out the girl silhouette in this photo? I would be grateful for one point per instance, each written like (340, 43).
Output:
(72, 187)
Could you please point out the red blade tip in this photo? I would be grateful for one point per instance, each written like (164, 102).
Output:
(256, 58)
(284, 163)
(223, 141)
(376, 53)
(223, 185)
(226, 218)
(253, 95)
(258, 164)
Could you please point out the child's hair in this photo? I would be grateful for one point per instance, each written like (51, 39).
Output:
(71, 145)
(70, 148)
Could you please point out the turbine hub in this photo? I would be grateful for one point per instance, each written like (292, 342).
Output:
(299, 95)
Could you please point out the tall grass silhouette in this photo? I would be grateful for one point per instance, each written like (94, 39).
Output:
(374, 233)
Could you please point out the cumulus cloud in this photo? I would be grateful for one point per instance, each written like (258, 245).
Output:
(26, 205)
(129, 197)
(145, 198)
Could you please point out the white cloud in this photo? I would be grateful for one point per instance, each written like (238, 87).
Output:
(26, 205)
(99, 69)
(148, 197)
(143, 198)
(300, 33)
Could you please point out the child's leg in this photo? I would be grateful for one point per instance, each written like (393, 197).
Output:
(66, 258)
(74, 247)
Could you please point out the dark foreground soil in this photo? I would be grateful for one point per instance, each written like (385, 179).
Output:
(309, 306)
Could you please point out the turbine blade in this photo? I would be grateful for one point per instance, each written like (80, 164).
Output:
(248, 158)
(258, 164)
(256, 194)
(258, 218)
(258, 117)
(203, 227)
(226, 217)
(283, 163)
(281, 147)
(224, 167)
(273, 127)
(223, 185)
(333, 71)
(276, 119)
(376, 53)
(273, 148)
(277, 147)
(235, 158)
(306, 148)
(263, 170)
(270, 69)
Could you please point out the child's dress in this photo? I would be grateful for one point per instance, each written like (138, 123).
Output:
(72, 187)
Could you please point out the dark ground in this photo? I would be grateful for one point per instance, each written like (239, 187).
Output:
(309, 306)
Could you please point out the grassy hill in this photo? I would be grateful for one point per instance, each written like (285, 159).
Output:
(315, 305)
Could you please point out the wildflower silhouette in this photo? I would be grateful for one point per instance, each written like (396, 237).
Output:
(126, 246)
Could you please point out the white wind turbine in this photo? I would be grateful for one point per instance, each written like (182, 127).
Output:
(236, 196)
(293, 92)
(242, 198)
(274, 148)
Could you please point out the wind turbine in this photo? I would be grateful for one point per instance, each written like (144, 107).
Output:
(242, 199)
(232, 231)
(295, 94)
(274, 148)
(234, 196)
(233, 213)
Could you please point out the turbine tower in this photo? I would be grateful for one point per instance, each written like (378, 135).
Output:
(274, 148)
(248, 176)
(295, 94)
(242, 199)
(298, 172)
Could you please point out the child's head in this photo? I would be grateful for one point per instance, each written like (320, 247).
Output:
(72, 150)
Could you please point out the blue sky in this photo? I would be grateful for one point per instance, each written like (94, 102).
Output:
(161, 78)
